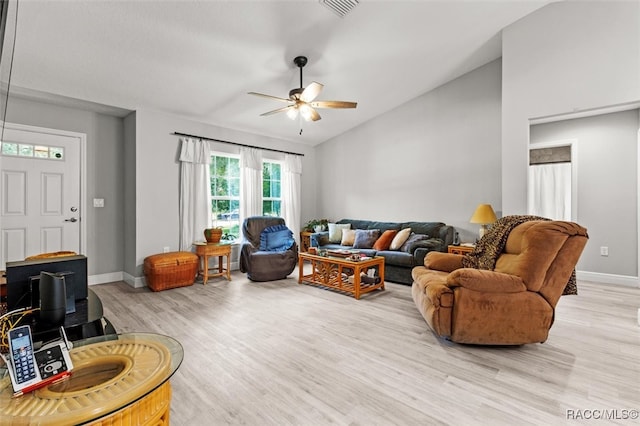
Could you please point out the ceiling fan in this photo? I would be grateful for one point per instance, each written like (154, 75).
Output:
(301, 100)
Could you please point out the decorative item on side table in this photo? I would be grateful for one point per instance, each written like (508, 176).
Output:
(213, 235)
(484, 215)
(316, 225)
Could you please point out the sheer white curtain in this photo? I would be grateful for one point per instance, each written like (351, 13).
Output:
(250, 183)
(549, 190)
(291, 193)
(195, 194)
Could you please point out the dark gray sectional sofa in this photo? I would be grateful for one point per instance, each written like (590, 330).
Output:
(398, 263)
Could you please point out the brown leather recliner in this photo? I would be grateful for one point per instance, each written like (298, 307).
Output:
(512, 304)
(265, 265)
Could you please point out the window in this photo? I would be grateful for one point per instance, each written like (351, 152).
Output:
(31, 151)
(225, 194)
(271, 184)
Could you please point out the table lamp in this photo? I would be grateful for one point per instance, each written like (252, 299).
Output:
(483, 215)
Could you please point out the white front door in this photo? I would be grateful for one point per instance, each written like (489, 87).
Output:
(40, 199)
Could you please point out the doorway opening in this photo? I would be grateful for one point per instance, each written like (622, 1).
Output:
(552, 181)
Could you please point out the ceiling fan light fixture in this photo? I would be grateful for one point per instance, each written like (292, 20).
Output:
(301, 102)
(292, 113)
(305, 112)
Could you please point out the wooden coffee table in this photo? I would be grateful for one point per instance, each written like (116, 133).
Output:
(333, 272)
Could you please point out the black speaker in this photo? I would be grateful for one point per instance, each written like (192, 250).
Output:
(53, 299)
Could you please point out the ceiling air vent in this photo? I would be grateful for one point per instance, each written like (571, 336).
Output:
(340, 7)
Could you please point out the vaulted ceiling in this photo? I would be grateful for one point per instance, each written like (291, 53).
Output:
(198, 59)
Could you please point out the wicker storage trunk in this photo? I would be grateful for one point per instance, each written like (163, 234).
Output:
(170, 270)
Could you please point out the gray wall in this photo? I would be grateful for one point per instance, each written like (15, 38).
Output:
(434, 158)
(563, 58)
(104, 174)
(132, 164)
(607, 166)
(157, 177)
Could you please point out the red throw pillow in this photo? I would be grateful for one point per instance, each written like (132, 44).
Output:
(385, 239)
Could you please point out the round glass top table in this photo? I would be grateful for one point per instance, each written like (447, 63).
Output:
(121, 378)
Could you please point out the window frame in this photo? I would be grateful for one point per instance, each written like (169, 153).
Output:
(231, 223)
(272, 199)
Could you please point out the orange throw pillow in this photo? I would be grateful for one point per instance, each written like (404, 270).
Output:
(385, 239)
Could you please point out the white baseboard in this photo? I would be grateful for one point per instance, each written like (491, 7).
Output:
(624, 280)
(105, 278)
(135, 282)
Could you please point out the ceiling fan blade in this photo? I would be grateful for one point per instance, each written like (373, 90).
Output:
(333, 104)
(314, 116)
(311, 92)
(269, 96)
(275, 111)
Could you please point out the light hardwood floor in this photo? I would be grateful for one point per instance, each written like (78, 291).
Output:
(280, 353)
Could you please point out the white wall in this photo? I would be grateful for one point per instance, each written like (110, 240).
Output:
(566, 57)
(434, 158)
(157, 177)
(607, 166)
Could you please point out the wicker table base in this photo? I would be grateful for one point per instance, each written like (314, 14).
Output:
(152, 410)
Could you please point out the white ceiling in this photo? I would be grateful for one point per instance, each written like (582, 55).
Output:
(198, 59)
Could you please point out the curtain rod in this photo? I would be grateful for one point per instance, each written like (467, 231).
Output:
(236, 143)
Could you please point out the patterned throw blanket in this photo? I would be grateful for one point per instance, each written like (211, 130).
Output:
(486, 252)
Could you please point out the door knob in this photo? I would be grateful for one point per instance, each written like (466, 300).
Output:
(73, 219)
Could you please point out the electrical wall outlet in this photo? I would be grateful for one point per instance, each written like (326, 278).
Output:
(604, 251)
(166, 249)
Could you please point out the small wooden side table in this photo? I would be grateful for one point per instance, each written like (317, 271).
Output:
(305, 241)
(460, 249)
(219, 250)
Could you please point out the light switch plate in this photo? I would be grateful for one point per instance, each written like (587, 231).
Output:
(98, 202)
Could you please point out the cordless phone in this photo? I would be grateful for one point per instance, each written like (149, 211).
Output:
(25, 370)
(29, 369)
